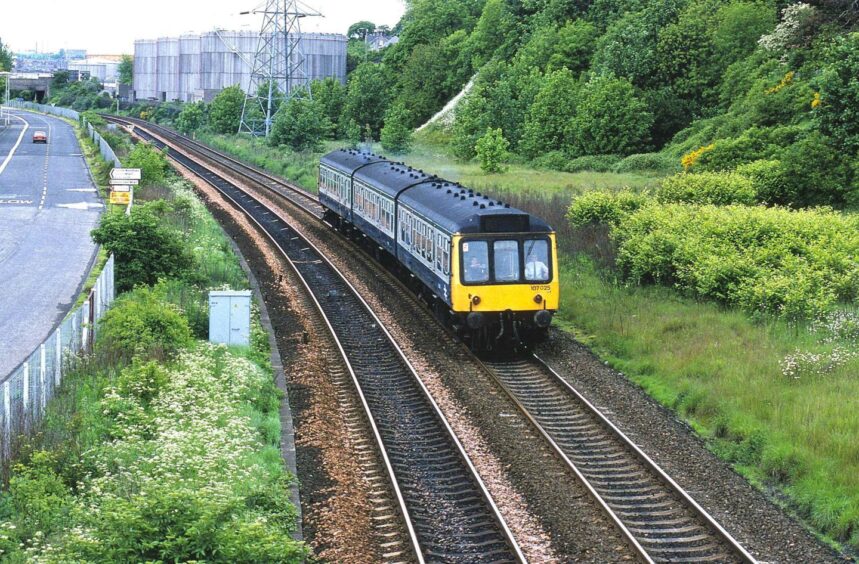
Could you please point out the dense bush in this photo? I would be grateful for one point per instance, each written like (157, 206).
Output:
(769, 181)
(550, 118)
(596, 163)
(719, 188)
(191, 118)
(773, 260)
(643, 162)
(144, 249)
(608, 208)
(368, 97)
(141, 324)
(151, 162)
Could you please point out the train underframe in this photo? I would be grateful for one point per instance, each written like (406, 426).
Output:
(491, 332)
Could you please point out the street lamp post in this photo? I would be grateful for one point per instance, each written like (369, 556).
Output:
(5, 114)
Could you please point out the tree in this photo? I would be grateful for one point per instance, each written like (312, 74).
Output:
(225, 111)
(610, 119)
(839, 94)
(368, 96)
(495, 29)
(5, 57)
(360, 30)
(144, 248)
(60, 80)
(191, 118)
(492, 152)
(301, 125)
(397, 134)
(548, 127)
(331, 96)
(126, 70)
(151, 162)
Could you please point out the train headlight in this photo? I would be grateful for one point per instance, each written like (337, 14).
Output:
(475, 300)
(538, 299)
(543, 318)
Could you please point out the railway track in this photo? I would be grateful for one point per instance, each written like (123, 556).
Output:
(660, 520)
(449, 515)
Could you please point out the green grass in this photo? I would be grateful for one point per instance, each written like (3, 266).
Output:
(301, 168)
(721, 371)
(519, 178)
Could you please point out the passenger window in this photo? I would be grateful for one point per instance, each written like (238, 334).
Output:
(506, 261)
(475, 261)
(537, 260)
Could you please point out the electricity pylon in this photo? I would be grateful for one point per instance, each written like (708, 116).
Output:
(278, 71)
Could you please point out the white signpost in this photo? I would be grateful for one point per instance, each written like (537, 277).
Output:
(122, 180)
(125, 174)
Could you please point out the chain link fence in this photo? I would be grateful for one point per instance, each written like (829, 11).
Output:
(27, 390)
(106, 151)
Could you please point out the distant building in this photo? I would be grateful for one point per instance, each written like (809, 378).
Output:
(378, 41)
(103, 67)
(196, 67)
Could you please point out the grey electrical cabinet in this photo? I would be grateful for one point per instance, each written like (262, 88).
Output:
(230, 317)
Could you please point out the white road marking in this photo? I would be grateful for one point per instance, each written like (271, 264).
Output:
(15, 148)
(80, 206)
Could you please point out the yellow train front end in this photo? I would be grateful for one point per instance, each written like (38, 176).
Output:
(504, 288)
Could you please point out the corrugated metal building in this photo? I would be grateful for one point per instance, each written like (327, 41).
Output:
(196, 67)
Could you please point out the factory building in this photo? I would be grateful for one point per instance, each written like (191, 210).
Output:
(103, 67)
(191, 68)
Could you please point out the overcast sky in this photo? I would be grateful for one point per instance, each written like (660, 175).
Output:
(111, 26)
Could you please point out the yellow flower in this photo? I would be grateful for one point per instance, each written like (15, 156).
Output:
(816, 100)
(690, 158)
(786, 80)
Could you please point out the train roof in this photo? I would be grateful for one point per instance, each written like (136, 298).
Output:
(451, 206)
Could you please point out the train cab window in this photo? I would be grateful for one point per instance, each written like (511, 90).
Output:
(537, 260)
(506, 260)
(475, 261)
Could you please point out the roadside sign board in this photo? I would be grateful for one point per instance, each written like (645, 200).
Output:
(125, 174)
(121, 188)
(121, 198)
(123, 182)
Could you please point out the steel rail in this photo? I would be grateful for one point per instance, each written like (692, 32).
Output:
(474, 475)
(494, 370)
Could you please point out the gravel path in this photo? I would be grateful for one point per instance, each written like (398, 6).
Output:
(758, 524)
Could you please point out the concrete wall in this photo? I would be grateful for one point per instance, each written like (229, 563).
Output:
(197, 67)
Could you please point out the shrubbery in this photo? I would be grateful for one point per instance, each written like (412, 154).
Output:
(151, 162)
(643, 162)
(145, 250)
(773, 260)
(719, 188)
(598, 207)
(596, 163)
(142, 324)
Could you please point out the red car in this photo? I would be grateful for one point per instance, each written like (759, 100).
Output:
(40, 137)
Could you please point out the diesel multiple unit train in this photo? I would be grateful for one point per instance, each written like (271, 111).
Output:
(487, 269)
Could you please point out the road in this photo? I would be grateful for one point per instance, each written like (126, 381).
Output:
(48, 206)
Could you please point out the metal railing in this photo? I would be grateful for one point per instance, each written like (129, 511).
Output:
(27, 390)
(25, 393)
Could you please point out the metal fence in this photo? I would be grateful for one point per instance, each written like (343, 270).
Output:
(25, 393)
(106, 151)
